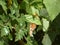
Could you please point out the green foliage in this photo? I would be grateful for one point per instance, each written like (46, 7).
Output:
(46, 40)
(45, 24)
(29, 18)
(53, 8)
(1, 43)
(4, 31)
(3, 4)
(17, 16)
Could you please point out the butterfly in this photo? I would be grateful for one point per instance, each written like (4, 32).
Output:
(32, 28)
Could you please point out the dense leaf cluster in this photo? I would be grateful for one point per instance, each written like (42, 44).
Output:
(29, 22)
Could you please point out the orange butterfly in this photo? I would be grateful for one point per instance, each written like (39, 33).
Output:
(32, 28)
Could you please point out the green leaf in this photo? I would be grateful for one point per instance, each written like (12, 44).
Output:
(34, 10)
(12, 10)
(53, 8)
(20, 34)
(30, 19)
(9, 24)
(15, 4)
(44, 13)
(10, 37)
(13, 17)
(46, 40)
(1, 43)
(45, 24)
(1, 23)
(4, 18)
(36, 1)
(4, 41)
(29, 41)
(4, 31)
(3, 4)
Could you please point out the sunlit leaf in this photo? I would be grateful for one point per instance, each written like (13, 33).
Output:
(53, 8)
(34, 11)
(3, 4)
(30, 18)
(46, 40)
(4, 31)
(45, 24)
